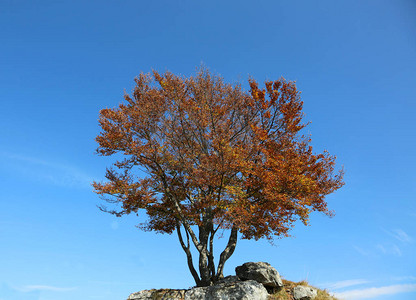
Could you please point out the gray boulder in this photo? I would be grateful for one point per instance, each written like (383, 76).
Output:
(261, 272)
(240, 290)
(228, 279)
(165, 294)
(142, 295)
(302, 292)
(231, 289)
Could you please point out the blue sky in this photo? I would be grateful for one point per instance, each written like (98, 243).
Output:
(63, 61)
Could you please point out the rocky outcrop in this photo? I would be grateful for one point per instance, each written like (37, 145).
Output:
(231, 290)
(302, 292)
(254, 281)
(229, 279)
(158, 295)
(261, 272)
(239, 290)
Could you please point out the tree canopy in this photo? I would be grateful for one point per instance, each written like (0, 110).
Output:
(215, 157)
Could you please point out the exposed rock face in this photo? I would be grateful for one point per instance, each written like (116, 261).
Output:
(146, 294)
(158, 295)
(232, 290)
(229, 279)
(239, 290)
(254, 281)
(301, 292)
(261, 272)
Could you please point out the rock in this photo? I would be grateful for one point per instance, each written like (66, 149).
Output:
(165, 294)
(229, 279)
(253, 282)
(261, 272)
(302, 292)
(197, 293)
(240, 290)
(233, 289)
(146, 294)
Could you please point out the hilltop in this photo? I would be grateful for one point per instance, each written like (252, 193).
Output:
(253, 281)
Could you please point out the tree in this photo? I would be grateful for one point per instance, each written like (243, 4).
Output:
(216, 157)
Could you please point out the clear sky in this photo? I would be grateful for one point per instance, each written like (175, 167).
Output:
(63, 61)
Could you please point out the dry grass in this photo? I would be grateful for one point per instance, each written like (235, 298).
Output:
(286, 292)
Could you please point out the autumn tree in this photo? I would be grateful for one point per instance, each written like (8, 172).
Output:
(216, 157)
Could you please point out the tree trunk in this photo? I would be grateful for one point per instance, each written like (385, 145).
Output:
(211, 262)
(203, 254)
(207, 273)
(226, 254)
(188, 253)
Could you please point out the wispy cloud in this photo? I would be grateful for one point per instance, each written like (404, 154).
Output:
(399, 234)
(402, 236)
(46, 171)
(374, 292)
(345, 283)
(387, 248)
(30, 288)
(391, 249)
(362, 251)
(8, 292)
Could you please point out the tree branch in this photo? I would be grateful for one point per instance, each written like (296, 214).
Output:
(188, 253)
(228, 251)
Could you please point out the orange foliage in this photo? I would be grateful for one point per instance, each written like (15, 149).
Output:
(209, 146)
